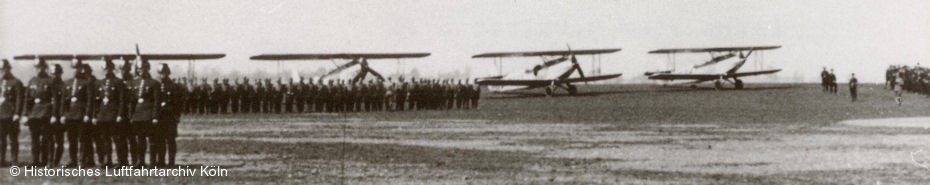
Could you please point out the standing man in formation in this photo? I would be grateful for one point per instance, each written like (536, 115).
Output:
(169, 115)
(77, 107)
(11, 104)
(39, 109)
(125, 139)
(144, 112)
(109, 115)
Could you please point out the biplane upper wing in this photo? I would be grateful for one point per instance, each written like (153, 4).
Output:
(182, 56)
(121, 56)
(706, 77)
(547, 53)
(715, 49)
(337, 56)
(545, 82)
(71, 56)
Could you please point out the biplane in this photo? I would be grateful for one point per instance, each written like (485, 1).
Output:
(553, 73)
(723, 66)
(355, 70)
(128, 58)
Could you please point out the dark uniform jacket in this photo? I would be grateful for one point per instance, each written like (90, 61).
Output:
(144, 95)
(11, 95)
(78, 98)
(170, 97)
(127, 97)
(110, 99)
(42, 97)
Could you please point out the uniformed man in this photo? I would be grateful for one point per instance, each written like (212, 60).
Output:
(334, 96)
(77, 108)
(11, 104)
(312, 96)
(335, 93)
(166, 131)
(124, 136)
(270, 97)
(379, 94)
(109, 113)
(412, 94)
(288, 95)
(390, 96)
(824, 81)
(187, 90)
(247, 91)
(322, 99)
(460, 95)
(144, 111)
(345, 96)
(276, 96)
(235, 97)
(206, 97)
(476, 94)
(222, 95)
(258, 101)
(401, 95)
(55, 132)
(215, 89)
(193, 98)
(449, 88)
(300, 97)
(359, 99)
(853, 87)
(39, 111)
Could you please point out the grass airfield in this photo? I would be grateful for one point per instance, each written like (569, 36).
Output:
(610, 134)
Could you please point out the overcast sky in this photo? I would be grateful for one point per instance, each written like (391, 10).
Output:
(860, 36)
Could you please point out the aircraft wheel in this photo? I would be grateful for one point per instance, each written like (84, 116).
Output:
(694, 86)
(572, 90)
(549, 91)
(717, 85)
(738, 83)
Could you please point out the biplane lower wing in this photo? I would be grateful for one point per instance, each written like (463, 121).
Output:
(338, 56)
(545, 82)
(490, 77)
(753, 73)
(707, 77)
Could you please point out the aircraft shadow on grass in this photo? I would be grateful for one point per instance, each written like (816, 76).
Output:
(661, 89)
(695, 89)
(536, 94)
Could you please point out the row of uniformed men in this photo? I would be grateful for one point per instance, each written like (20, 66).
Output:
(132, 114)
(333, 96)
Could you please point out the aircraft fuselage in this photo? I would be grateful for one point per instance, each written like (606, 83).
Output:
(554, 72)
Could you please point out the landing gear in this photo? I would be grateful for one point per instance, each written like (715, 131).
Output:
(718, 85)
(549, 91)
(572, 90)
(738, 83)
